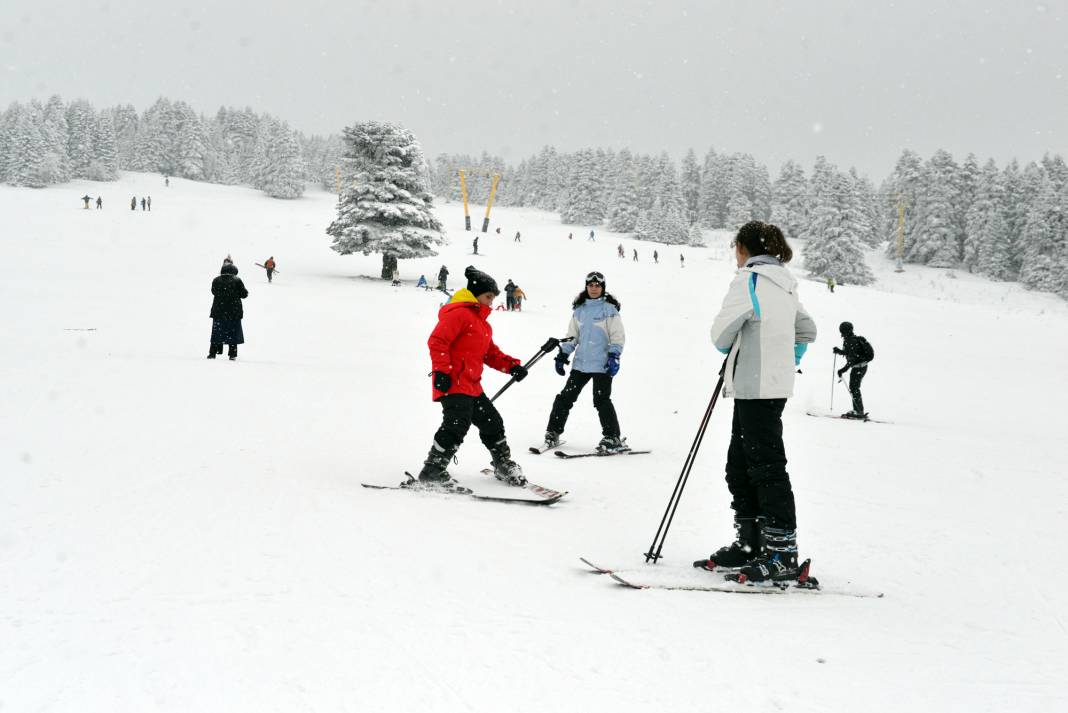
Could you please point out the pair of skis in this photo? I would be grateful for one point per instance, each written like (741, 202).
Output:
(534, 494)
(538, 450)
(676, 581)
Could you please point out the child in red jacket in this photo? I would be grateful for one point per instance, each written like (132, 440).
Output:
(460, 344)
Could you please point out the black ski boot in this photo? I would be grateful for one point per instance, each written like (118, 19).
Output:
(214, 349)
(779, 561)
(232, 353)
(504, 468)
(612, 444)
(747, 546)
(552, 440)
(437, 460)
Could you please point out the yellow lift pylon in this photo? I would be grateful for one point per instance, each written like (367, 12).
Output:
(496, 177)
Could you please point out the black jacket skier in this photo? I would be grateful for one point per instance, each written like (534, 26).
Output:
(858, 354)
(227, 311)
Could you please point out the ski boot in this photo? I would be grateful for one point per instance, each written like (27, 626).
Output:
(552, 440)
(213, 350)
(504, 468)
(778, 563)
(747, 546)
(433, 475)
(232, 352)
(612, 444)
(855, 416)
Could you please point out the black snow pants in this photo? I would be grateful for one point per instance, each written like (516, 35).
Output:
(459, 411)
(602, 401)
(756, 464)
(856, 375)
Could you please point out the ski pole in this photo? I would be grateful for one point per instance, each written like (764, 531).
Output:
(676, 495)
(533, 360)
(834, 370)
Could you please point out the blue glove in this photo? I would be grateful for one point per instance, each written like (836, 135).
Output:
(560, 360)
(799, 351)
(612, 367)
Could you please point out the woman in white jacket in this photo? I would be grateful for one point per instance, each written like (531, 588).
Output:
(764, 330)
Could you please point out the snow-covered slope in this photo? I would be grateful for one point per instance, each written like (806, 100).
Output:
(178, 534)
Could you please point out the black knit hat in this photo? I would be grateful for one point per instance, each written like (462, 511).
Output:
(845, 328)
(479, 282)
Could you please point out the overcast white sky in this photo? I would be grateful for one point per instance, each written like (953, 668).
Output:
(856, 81)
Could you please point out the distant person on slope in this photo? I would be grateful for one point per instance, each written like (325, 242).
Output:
(830, 284)
(149, 201)
(656, 257)
(619, 251)
(517, 238)
(858, 353)
(597, 330)
(591, 239)
(461, 343)
(226, 310)
(764, 330)
(142, 204)
(87, 198)
(635, 254)
(509, 295)
(133, 203)
(99, 202)
(423, 283)
(474, 245)
(518, 296)
(269, 266)
(443, 278)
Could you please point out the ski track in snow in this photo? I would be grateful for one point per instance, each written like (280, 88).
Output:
(179, 534)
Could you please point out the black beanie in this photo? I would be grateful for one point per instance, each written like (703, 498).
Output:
(845, 328)
(479, 282)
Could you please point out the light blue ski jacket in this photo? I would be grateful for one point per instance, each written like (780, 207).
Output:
(597, 330)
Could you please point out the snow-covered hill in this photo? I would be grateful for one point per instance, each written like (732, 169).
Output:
(178, 534)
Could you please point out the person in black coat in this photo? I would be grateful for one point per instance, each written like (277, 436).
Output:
(227, 311)
(858, 354)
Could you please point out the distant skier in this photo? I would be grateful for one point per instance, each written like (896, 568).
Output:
(682, 260)
(133, 203)
(509, 295)
(498, 230)
(635, 254)
(226, 310)
(764, 330)
(517, 238)
(461, 343)
(99, 202)
(167, 181)
(598, 335)
(474, 245)
(619, 251)
(269, 266)
(519, 296)
(87, 198)
(591, 237)
(396, 276)
(858, 353)
(149, 200)
(443, 278)
(830, 284)
(570, 236)
(423, 283)
(142, 204)
(656, 257)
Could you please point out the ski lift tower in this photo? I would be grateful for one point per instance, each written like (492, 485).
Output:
(495, 177)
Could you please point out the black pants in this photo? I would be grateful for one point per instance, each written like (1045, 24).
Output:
(459, 411)
(602, 401)
(509, 302)
(269, 273)
(756, 463)
(856, 375)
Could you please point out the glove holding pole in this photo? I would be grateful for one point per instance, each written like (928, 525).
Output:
(519, 372)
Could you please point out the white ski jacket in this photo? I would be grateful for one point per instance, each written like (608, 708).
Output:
(764, 330)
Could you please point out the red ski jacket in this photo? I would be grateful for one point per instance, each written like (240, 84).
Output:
(462, 342)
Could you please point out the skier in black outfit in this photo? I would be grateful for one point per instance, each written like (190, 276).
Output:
(475, 245)
(858, 352)
(227, 311)
(509, 295)
(443, 278)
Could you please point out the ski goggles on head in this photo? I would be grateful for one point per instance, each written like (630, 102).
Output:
(595, 277)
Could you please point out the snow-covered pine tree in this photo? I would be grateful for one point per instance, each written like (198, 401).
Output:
(191, 152)
(870, 206)
(81, 125)
(1056, 169)
(105, 163)
(55, 168)
(25, 147)
(385, 204)
(1045, 240)
(858, 209)
(281, 173)
(673, 228)
(988, 250)
(967, 183)
(625, 211)
(126, 122)
(790, 200)
(934, 238)
(712, 199)
(649, 222)
(690, 184)
(904, 185)
(757, 186)
(833, 247)
(739, 207)
(695, 237)
(583, 204)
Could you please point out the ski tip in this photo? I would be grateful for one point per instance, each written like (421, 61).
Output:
(625, 583)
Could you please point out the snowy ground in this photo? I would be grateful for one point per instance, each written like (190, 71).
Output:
(178, 534)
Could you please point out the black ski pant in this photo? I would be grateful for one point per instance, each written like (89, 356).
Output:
(602, 401)
(756, 464)
(269, 273)
(509, 302)
(459, 411)
(856, 375)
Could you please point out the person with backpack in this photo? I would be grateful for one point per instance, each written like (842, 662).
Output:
(509, 295)
(269, 265)
(764, 331)
(443, 278)
(858, 353)
(598, 338)
(226, 310)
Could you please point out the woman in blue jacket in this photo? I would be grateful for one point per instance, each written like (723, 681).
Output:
(597, 332)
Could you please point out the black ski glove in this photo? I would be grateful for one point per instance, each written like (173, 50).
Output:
(836, 350)
(553, 343)
(519, 372)
(842, 371)
(561, 360)
(442, 381)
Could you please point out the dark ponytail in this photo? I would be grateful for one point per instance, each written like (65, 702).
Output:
(759, 238)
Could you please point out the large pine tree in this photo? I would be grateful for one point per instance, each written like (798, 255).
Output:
(385, 206)
(988, 249)
(790, 200)
(833, 247)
